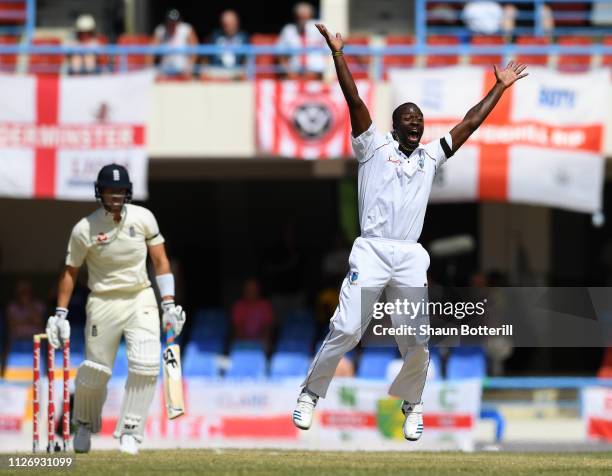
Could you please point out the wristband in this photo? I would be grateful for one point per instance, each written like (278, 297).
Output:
(61, 312)
(338, 53)
(165, 283)
(167, 305)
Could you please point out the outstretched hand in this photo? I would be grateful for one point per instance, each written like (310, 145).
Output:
(335, 43)
(512, 73)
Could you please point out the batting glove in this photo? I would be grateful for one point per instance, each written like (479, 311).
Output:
(174, 316)
(58, 328)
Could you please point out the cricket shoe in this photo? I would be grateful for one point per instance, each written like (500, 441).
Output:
(413, 426)
(82, 439)
(302, 415)
(128, 444)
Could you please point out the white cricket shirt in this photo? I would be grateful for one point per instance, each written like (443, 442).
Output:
(115, 253)
(394, 189)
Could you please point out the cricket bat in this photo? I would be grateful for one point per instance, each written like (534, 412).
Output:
(173, 381)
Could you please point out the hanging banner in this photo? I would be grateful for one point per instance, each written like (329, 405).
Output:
(542, 144)
(56, 132)
(304, 119)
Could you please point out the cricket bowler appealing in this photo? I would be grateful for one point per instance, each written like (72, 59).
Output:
(395, 177)
(113, 241)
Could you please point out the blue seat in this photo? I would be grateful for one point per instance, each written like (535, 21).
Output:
(466, 362)
(77, 339)
(247, 364)
(254, 345)
(434, 372)
(297, 346)
(391, 351)
(24, 359)
(120, 369)
(213, 345)
(298, 330)
(373, 365)
(288, 365)
(76, 359)
(210, 323)
(22, 346)
(200, 364)
(299, 315)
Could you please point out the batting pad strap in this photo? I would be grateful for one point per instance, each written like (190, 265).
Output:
(447, 145)
(165, 283)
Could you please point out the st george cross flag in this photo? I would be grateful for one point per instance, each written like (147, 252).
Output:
(304, 119)
(57, 132)
(542, 144)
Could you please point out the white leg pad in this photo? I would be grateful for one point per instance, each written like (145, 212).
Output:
(144, 361)
(90, 394)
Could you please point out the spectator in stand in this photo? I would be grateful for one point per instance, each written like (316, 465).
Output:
(252, 315)
(25, 315)
(85, 36)
(302, 33)
(175, 33)
(227, 64)
(483, 17)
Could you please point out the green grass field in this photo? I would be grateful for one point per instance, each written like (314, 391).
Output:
(312, 463)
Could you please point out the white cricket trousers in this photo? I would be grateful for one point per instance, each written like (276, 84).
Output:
(376, 264)
(109, 316)
(112, 315)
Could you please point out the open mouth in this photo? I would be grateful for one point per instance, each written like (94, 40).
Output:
(413, 136)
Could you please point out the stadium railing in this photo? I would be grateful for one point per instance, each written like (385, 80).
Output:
(376, 54)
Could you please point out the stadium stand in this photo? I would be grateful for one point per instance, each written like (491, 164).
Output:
(533, 59)
(466, 362)
(397, 61)
(574, 62)
(360, 64)
(486, 59)
(131, 62)
(607, 58)
(435, 370)
(120, 369)
(8, 62)
(442, 60)
(265, 63)
(45, 63)
(199, 363)
(288, 365)
(373, 366)
(299, 346)
(247, 364)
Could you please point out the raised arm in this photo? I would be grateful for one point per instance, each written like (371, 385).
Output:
(480, 111)
(360, 116)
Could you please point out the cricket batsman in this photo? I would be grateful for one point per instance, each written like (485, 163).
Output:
(113, 241)
(395, 177)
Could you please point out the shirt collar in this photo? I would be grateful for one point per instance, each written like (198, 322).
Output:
(395, 143)
(108, 217)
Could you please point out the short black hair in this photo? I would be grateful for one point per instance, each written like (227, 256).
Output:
(400, 109)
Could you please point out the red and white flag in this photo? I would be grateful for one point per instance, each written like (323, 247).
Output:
(597, 413)
(542, 144)
(57, 132)
(304, 119)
